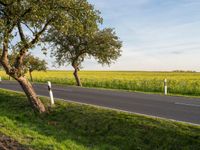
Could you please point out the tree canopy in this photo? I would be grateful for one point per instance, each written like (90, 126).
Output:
(16, 17)
(103, 45)
(24, 22)
(34, 64)
(73, 48)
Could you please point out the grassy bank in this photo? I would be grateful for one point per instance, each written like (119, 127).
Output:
(178, 82)
(80, 127)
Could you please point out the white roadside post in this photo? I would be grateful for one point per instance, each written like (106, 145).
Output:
(51, 93)
(165, 84)
(0, 79)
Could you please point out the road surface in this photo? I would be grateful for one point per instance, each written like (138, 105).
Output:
(176, 108)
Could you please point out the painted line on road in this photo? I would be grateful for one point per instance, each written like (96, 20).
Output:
(123, 111)
(185, 104)
(114, 109)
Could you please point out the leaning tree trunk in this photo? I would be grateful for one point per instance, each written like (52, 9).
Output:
(36, 104)
(78, 81)
(15, 70)
(31, 77)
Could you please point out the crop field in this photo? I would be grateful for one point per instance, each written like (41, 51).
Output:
(178, 83)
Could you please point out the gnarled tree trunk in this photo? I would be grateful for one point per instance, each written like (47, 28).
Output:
(78, 81)
(31, 77)
(16, 70)
(36, 104)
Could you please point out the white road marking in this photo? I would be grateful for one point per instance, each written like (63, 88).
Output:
(193, 105)
(115, 109)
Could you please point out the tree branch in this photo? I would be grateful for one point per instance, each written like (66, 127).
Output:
(4, 57)
(28, 28)
(37, 36)
(26, 12)
(19, 60)
(21, 33)
(17, 21)
(2, 3)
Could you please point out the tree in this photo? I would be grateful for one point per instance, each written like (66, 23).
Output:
(11, 58)
(0, 57)
(73, 47)
(37, 17)
(34, 64)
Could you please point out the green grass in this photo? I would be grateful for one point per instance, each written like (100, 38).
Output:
(80, 127)
(178, 82)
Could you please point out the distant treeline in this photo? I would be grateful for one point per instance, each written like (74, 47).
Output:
(188, 71)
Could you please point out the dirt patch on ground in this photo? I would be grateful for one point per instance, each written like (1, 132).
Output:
(7, 143)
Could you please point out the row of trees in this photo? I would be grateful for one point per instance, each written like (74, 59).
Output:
(69, 28)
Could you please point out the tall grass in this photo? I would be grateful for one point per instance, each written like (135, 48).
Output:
(178, 83)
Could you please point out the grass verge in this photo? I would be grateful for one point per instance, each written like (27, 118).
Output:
(80, 127)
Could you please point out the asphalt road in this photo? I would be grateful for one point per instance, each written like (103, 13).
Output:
(176, 108)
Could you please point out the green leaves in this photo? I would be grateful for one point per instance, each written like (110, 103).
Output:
(74, 47)
(71, 27)
(105, 46)
(32, 20)
(34, 63)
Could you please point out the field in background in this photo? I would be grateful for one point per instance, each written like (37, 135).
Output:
(178, 83)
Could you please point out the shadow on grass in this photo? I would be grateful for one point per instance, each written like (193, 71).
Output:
(6, 143)
(88, 127)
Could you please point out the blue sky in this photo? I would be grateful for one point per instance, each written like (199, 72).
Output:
(157, 34)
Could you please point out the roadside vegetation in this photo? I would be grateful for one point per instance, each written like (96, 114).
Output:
(183, 83)
(81, 127)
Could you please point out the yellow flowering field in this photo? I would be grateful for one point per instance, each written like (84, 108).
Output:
(178, 82)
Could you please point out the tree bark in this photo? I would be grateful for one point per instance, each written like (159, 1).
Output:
(31, 77)
(15, 70)
(36, 104)
(78, 81)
